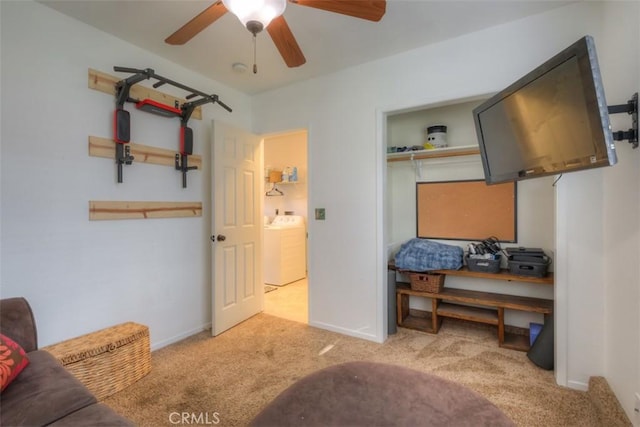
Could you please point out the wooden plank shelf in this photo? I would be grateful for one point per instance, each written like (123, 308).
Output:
(516, 342)
(514, 302)
(467, 150)
(105, 147)
(513, 337)
(419, 320)
(504, 274)
(111, 210)
(104, 82)
(464, 312)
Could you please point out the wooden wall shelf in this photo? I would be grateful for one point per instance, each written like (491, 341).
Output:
(104, 147)
(111, 210)
(467, 150)
(104, 82)
(502, 275)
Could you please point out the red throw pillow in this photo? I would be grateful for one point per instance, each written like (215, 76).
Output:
(13, 360)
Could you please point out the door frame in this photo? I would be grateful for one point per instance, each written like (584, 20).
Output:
(307, 181)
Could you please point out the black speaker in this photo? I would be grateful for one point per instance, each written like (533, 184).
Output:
(186, 140)
(542, 352)
(121, 126)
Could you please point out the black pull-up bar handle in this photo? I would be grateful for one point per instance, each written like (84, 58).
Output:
(172, 82)
(130, 70)
(205, 100)
(223, 105)
(148, 73)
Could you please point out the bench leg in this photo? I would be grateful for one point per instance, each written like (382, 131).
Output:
(500, 326)
(435, 325)
(402, 307)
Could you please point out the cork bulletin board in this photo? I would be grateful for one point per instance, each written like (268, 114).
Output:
(466, 210)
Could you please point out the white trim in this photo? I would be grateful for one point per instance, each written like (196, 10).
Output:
(310, 224)
(344, 331)
(180, 337)
(578, 385)
(382, 311)
(561, 299)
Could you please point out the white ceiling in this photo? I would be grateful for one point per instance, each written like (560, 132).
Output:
(329, 41)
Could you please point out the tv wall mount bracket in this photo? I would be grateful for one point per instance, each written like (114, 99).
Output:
(122, 123)
(631, 107)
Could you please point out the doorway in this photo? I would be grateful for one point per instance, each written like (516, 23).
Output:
(285, 219)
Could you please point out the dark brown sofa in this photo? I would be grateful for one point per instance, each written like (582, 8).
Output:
(45, 393)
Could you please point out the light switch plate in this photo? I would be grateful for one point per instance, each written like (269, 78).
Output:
(320, 214)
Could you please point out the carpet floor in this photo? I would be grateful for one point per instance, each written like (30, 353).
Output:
(228, 379)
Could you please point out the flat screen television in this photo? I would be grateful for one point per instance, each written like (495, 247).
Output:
(552, 120)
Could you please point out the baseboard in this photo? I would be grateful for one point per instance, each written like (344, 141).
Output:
(344, 331)
(577, 385)
(158, 345)
(606, 403)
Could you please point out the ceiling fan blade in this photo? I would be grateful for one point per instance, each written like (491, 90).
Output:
(285, 42)
(197, 24)
(371, 10)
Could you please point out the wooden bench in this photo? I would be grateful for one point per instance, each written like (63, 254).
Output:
(441, 306)
(474, 306)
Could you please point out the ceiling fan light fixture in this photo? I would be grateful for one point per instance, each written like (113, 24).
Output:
(252, 12)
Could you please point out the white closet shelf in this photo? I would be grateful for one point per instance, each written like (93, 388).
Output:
(465, 150)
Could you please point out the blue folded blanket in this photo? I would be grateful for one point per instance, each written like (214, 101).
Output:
(424, 255)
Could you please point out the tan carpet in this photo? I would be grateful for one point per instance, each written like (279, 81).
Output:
(230, 378)
(607, 406)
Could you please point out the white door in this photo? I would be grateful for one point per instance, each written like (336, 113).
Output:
(238, 289)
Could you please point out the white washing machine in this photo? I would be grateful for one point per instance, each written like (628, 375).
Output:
(285, 250)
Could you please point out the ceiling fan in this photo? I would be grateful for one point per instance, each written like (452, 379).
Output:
(268, 14)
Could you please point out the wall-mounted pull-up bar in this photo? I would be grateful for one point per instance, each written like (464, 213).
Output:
(122, 124)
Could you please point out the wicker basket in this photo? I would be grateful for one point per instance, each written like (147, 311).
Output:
(108, 360)
(427, 282)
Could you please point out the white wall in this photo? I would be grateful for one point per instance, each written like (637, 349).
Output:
(620, 68)
(78, 275)
(343, 113)
(579, 303)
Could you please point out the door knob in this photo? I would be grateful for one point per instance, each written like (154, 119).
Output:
(221, 237)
